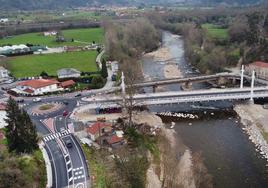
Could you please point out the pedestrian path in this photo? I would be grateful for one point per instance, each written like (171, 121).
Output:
(56, 135)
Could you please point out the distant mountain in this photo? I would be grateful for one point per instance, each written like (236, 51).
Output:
(62, 4)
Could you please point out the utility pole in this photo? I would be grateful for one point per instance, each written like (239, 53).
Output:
(252, 85)
(242, 76)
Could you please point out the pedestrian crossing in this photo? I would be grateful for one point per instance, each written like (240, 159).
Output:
(56, 135)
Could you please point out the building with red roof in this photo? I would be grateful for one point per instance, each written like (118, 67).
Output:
(114, 141)
(67, 84)
(98, 129)
(37, 86)
(260, 67)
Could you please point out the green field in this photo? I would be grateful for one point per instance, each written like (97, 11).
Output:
(84, 35)
(33, 65)
(215, 32)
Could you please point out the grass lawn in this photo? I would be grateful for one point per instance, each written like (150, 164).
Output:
(215, 32)
(84, 35)
(46, 106)
(33, 65)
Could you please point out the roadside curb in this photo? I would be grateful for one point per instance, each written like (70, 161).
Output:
(48, 164)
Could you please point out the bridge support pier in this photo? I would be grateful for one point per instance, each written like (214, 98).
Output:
(154, 88)
(186, 86)
(221, 81)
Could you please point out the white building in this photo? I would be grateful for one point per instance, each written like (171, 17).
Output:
(2, 116)
(37, 87)
(68, 73)
(3, 72)
(3, 20)
(50, 33)
(114, 66)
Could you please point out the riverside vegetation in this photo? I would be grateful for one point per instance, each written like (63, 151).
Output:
(219, 38)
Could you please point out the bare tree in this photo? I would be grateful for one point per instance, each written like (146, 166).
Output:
(132, 72)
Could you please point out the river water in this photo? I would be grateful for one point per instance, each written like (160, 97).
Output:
(229, 156)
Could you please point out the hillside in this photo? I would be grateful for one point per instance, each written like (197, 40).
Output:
(62, 4)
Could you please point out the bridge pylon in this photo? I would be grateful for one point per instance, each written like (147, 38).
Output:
(252, 85)
(242, 76)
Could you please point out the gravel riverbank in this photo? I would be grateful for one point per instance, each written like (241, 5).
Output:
(255, 119)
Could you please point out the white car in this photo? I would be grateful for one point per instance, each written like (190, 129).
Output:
(37, 99)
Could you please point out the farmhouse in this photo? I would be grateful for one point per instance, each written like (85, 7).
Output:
(37, 87)
(3, 72)
(98, 129)
(261, 69)
(68, 73)
(114, 141)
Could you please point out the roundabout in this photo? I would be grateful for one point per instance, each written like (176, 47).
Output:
(46, 108)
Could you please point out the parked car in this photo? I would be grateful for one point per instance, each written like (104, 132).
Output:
(37, 99)
(68, 143)
(78, 95)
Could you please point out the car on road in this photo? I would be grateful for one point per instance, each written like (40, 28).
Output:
(65, 113)
(65, 102)
(78, 95)
(20, 101)
(37, 99)
(68, 143)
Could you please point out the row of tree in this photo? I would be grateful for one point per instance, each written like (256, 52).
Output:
(20, 132)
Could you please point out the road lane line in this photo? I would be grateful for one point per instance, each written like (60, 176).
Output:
(79, 157)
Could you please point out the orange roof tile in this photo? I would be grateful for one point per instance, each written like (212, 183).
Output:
(93, 129)
(67, 83)
(114, 139)
(260, 64)
(38, 83)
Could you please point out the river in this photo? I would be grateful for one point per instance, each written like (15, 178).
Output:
(229, 156)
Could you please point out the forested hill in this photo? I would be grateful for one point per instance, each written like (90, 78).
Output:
(62, 4)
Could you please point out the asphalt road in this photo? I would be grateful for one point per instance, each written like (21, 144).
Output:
(68, 164)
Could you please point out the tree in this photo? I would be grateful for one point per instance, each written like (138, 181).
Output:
(97, 82)
(44, 74)
(104, 72)
(132, 75)
(60, 37)
(21, 134)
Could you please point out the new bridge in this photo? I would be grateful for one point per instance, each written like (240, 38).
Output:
(176, 97)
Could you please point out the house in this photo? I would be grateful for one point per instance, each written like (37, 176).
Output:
(261, 69)
(98, 129)
(3, 20)
(50, 33)
(68, 73)
(37, 87)
(67, 84)
(2, 115)
(4, 73)
(114, 141)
